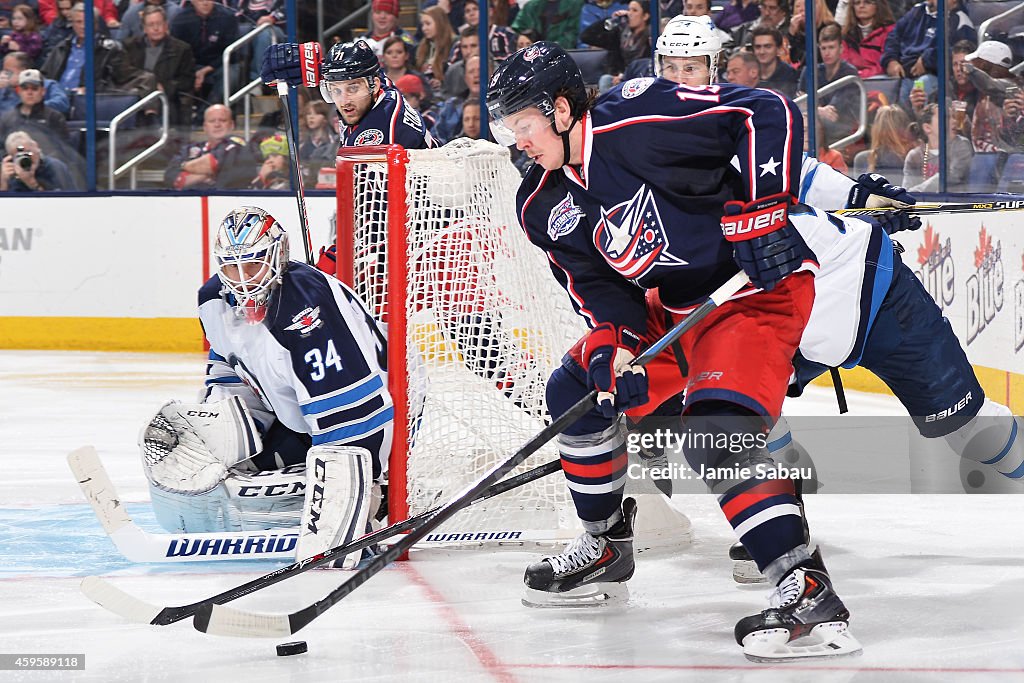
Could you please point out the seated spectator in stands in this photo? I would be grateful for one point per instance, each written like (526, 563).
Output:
(396, 58)
(527, 38)
(988, 68)
(453, 9)
(169, 60)
(962, 88)
(702, 8)
(471, 120)
(223, 161)
(921, 169)
(209, 28)
(384, 23)
(890, 143)
(107, 10)
(626, 36)
(432, 52)
(32, 112)
(66, 63)
(554, 20)
(413, 89)
(60, 29)
(131, 21)
(775, 74)
(595, 11)
(774, 14)
(27, 169)
(864, 34)
(837, 110)
(274, 173)
(318, 139)
(736, 12)
(500, 38)
(25, 36)
(743, 69)
(1013, 121)
(54, 96)
(910, 50)
(449, 116)
(797, 35)
(251, 14)
(454, 83)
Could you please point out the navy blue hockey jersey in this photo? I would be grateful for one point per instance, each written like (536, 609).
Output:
(655, 176)
(389, 121)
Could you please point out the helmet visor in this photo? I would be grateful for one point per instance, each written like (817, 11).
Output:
(519, 127)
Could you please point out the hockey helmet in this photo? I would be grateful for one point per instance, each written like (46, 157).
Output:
(532, 77)
(251, 251)
(689, 37)
(346, 61)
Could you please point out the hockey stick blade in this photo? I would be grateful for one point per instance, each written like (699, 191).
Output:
(108, 596)
(218, 620)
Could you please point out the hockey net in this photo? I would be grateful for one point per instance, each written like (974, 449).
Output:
(476, 324)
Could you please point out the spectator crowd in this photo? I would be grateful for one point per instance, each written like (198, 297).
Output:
(177, 46)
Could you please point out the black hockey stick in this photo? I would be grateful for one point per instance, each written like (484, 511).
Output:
(929, 209)
(296, 171)
(114, 599)
(220, 620)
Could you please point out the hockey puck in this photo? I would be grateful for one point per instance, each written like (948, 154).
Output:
(288, 649)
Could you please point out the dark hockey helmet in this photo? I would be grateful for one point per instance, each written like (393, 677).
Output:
(531, 78)
(346, 61)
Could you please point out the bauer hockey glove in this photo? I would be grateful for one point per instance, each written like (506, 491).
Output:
(292, 63)
(608, 352)
(765, 244)
(873, 191)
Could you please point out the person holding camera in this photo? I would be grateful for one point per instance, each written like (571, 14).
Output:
(26, 169)
(32, 112)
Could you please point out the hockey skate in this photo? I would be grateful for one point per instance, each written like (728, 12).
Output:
(744, 569)
(591, 572)
(806, 619)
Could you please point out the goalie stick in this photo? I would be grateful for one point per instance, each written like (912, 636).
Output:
(221, 620)
(139, 545)
(135, 610)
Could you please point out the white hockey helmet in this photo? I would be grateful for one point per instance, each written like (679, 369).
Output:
(252, 254)
(689, 37)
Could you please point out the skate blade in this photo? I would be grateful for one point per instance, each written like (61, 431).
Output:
(828, 639)
(746, 571)
(595, 595)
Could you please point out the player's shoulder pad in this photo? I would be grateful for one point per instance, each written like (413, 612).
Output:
(210, 290)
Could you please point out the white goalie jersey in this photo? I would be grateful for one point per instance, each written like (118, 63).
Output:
(317, 364)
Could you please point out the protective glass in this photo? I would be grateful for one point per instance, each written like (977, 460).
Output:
(338, 92)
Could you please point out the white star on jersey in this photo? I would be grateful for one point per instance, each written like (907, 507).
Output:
(769, 167)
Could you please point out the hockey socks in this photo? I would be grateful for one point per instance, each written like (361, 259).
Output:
(595, 471)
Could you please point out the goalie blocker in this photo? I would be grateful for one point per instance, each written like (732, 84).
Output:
(198, 459)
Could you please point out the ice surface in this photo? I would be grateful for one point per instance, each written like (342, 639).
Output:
(935, 583)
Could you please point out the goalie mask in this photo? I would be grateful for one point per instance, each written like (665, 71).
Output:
(689, 37)
(533, 77)
(252, 255)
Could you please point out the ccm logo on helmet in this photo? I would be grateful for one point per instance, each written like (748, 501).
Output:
(752, 223)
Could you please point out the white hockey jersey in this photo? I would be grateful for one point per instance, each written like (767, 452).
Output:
(317, 362)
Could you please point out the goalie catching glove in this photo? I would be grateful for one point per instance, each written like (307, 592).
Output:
(765, 244)
(608, 352)
(292, 63)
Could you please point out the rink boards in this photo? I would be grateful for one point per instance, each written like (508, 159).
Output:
(121, 273)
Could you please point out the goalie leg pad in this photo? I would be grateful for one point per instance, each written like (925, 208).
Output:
(339, 500)
(243, 501)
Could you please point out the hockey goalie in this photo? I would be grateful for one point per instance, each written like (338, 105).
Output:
(294, 424)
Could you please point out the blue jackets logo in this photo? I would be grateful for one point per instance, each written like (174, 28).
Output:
(564, 218)
(632, 238)
(306, 321)
(370, 136)
(636, 87)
